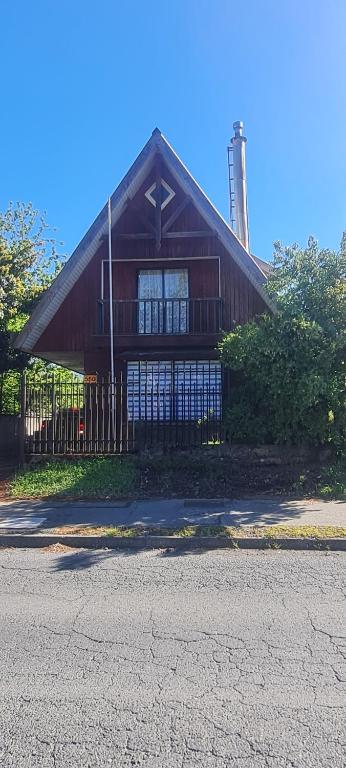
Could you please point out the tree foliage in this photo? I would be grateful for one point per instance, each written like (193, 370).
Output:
(289, 368)
(29, 261)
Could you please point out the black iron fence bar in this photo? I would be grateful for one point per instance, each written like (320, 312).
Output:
(62, 417)
(159, 316)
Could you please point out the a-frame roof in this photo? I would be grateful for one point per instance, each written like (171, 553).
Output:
(157, 144)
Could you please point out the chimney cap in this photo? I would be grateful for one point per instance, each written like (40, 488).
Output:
(238, 128)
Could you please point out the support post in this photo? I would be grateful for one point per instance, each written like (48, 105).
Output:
(53, 415)
(22, 421)
(110, 279)
(111, 320)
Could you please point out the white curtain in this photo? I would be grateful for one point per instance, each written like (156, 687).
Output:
(150, 288)
(189, 390)
(162, 306)
(176, 286)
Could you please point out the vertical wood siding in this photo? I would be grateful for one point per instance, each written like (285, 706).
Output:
(74, 326)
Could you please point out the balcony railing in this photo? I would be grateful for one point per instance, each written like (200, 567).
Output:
(161, 316)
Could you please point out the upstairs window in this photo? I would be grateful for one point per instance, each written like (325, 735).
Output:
(163, 301)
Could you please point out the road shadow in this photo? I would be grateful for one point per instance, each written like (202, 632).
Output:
(86, 559)
(80, 560)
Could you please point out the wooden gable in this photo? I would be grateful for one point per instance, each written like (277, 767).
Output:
(186, 231)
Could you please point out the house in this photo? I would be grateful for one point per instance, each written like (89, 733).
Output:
(180, 276)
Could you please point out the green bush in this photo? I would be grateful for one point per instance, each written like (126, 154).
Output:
(333, 480)
(289, 368)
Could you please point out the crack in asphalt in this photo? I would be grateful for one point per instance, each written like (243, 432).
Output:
(215, 660)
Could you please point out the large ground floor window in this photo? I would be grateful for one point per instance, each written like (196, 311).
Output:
(184, 390)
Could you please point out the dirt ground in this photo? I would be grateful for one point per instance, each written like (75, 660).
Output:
(222, 477)
(7, 469)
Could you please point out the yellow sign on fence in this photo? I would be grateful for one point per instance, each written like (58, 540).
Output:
(90, 378)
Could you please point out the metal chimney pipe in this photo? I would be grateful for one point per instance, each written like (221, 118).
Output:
(238, 142)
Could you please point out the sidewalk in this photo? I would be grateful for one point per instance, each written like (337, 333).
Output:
(44, 516)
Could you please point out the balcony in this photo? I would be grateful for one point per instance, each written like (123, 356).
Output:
(158, 317)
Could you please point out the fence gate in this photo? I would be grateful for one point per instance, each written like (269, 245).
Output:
(157, 404)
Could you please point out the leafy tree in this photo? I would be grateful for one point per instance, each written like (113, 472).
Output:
(29, 261)
(289, 370)
(311, 283)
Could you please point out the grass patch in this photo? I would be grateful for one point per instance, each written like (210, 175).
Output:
(230, 532)
(119, 530)
(96, 530)
(99, 477)
(302, 531)
(271, 532)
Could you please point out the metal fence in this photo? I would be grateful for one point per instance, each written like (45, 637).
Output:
(161, 316)
(105, 417)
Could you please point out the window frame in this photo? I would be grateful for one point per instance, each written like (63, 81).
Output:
(174, 391)
(163, 270)
(162, 322)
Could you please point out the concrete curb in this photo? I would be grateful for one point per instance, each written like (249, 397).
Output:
(24, 541)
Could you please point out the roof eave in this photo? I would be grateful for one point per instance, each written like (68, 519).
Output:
(71, 271)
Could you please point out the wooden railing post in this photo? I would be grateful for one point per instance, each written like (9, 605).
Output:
(22, 421)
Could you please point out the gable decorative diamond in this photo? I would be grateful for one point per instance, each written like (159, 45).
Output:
(167, 194)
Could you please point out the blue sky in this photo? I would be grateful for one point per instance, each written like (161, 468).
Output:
(84, 84)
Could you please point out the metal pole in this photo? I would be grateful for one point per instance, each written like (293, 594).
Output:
(111, 329)
(22, 421)
(110, 287)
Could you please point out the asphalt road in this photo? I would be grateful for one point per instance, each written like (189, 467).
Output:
(172, 661)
